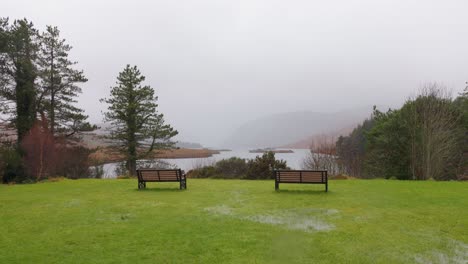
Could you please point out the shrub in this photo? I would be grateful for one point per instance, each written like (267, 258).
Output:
(232, 168)
(2, 164)
(40, 156)
(73, 162)
(12, 169)
(237, 168)
(261, 167)
(203, 172)
(46, 156)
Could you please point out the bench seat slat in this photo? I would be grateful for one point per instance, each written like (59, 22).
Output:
(300, 176)
(156, 175)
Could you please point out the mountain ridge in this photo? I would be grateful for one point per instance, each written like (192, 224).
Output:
(287, 128)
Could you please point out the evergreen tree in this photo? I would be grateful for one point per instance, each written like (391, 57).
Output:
(351, 149)
(137, 127)
(422, 140)
(18, 48)
(58, 85)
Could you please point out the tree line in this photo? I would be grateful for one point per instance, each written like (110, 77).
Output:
(427, 138)
(39, 86)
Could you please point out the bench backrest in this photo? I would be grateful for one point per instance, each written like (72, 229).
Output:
(159, 175)
(299, 176)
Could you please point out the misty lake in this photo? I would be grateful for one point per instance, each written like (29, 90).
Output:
(294, 160)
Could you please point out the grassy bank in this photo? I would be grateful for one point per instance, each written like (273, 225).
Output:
(358, 221)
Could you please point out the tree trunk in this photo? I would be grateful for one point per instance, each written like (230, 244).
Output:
(25, 100)
(52, 92)
(132, 155)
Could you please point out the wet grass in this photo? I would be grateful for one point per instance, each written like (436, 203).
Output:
(232, 221)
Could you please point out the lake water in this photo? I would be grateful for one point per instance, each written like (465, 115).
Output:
(294, 160)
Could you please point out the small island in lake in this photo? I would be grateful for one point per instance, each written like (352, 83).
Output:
(271, 150)
(221, 150)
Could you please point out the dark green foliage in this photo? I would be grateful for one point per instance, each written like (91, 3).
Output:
(425, 139)
(204, 172)
(387, 147)
(232, 168)
(137, 127)
(58, 85)
(237, 168)
(261, 167)
(74, 162)
(422, 140)
(37, 79)
(18, 72)
(11, 165)
(18, 52)
(351, 150)
(461, 103)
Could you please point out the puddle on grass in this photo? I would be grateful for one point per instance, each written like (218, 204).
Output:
(294, 223)
(304, 219)
(458, 254)
(219, 210)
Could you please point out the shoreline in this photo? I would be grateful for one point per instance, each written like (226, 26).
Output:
(105, 155)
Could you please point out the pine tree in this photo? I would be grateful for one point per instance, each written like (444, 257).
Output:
(58, 85)
(18, 53)
(137, 127)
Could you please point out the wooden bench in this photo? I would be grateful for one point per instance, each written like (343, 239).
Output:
(301, 176)
(155, 175)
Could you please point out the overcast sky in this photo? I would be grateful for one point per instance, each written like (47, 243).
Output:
(216, 64)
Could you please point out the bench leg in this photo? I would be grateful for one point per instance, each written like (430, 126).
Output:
(183, 184)
(276, 185)
(141, 185)
(326, 187)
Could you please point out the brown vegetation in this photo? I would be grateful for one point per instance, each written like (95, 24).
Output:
(109, 154)
(46, 156)
(322, 155)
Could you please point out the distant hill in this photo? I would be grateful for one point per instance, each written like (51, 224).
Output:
(305, 143)
(286, 128)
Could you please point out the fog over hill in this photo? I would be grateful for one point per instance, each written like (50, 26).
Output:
(287, 128)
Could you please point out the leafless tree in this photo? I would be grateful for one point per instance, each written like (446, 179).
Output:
(322, 155)
(435, 133)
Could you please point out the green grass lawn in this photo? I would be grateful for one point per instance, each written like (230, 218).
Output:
(233, 221)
